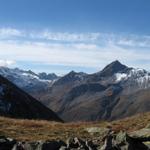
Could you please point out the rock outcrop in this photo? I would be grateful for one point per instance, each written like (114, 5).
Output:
(112, 141)
(122, 141)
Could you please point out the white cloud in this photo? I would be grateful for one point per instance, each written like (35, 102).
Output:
(82, 38)
(6, 63)
(47, 35)
(68, 55)
(71, 49)
(134, 41)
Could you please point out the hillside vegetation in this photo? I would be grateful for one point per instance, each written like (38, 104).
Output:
(32, 130)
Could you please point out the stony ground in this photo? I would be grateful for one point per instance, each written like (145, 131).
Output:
(126, 134)
(33, 130)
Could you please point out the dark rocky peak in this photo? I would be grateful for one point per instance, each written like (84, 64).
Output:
(72, 73)
(113, 68)
(45, 76)
(108, 72)
(31, 72)
(76, 74)
(21, 72)
(71, 77)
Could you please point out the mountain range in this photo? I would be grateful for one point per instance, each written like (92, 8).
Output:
(115, 92)
(28, 80)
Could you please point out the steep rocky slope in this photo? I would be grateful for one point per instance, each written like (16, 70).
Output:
(17, 104)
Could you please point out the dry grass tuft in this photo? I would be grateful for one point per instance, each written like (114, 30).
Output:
(32, 130)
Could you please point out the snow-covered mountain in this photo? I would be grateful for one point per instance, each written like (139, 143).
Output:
(28, 80)
(133, 80)
(141, 76)
(130, 79)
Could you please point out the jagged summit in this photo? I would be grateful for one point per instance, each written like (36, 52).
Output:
(45, 76)
(71, 77)
(113, 68)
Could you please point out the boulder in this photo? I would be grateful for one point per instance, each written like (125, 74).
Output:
(6, 143)
(90, 145)
(76, 143)
(28, 146)
(71, 143)
(122, 141)
(64, 148)
(53, 145)
(48, 145)
(97, 131)
(142, 135)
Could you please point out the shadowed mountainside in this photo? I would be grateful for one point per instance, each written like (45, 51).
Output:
(17, 104)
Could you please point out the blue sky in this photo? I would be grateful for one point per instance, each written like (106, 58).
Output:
(82, 35)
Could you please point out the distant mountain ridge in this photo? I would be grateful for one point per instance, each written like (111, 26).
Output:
(28, 80)
(106, 95)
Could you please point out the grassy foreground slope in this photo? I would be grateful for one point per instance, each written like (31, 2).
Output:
(32, 130)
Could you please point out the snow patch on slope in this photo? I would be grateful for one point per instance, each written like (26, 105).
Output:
(139, 76)
(30, 75)
(26, 80)
(120, 76)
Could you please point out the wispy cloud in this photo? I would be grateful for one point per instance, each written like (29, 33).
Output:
(10, 33)
(47, 35)
(73, 49)
(71, 37)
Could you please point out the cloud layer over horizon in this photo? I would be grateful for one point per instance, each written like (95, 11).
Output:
(88, 51)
